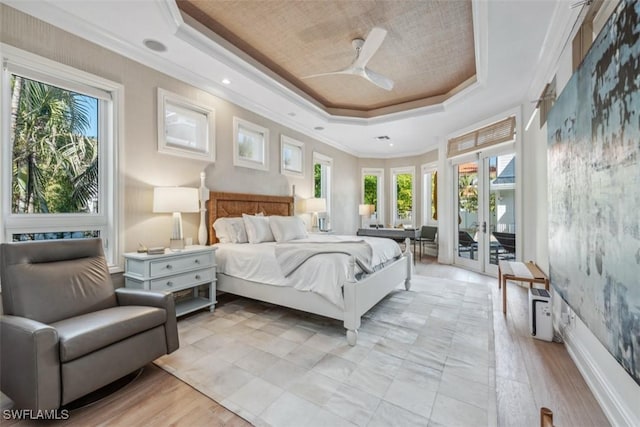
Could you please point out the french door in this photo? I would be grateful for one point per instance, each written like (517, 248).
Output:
(485, 223)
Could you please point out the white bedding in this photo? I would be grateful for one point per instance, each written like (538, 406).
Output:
(323, 274)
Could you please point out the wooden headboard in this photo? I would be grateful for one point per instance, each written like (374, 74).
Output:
(221, 205)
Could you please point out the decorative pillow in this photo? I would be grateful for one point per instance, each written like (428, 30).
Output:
(230, 230)
(258, 229)
(285, 228)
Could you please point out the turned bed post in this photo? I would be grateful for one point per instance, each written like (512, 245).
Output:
(409, 255)
(351, 318)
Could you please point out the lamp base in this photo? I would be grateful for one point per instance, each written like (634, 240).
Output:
(176, 244)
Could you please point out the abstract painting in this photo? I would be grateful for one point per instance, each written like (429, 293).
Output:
(594, 188)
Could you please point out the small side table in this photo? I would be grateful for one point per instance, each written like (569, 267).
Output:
(520, 272)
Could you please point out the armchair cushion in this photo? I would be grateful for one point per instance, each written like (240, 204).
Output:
(90, 332)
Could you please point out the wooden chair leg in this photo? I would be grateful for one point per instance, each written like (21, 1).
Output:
(546, 417)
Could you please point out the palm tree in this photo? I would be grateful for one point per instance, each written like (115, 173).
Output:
(54, 164)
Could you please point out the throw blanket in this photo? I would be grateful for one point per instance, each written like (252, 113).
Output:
(292, 255)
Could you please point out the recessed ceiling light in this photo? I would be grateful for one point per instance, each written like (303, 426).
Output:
(226, 81)
(318, 128)
(154, 45)
(391, 144)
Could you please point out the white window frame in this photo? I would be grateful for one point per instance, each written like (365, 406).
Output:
(394, 193)
(427, 171)
(326, 179)
(379, 173)
(111, 104)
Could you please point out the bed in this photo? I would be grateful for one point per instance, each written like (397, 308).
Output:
(360, 290)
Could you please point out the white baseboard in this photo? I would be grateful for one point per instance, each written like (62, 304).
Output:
(614, 389)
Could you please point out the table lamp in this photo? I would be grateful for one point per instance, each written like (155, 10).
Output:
(365, 211)
(315, 206)
(175, 200)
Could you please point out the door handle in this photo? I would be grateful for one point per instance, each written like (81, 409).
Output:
(484, 226)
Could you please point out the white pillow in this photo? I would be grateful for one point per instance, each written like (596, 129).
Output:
(230, 230)
(285, 228)
(258, 229)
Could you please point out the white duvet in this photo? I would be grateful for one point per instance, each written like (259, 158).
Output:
(323, 274)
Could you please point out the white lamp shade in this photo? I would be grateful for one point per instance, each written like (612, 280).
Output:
(175, 199)
(316, 205)
(365, 209)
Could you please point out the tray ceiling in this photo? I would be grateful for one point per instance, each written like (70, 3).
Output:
(428, 51)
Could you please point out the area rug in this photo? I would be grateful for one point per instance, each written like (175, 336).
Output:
(424, 357)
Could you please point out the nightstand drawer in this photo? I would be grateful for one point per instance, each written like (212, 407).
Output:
(162, 267)
(185, 280)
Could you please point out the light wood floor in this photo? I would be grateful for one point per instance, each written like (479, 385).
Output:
(529, 374)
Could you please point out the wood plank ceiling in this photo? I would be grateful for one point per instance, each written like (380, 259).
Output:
(428, 51)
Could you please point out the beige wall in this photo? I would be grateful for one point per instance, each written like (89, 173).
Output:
(387, 165)
(142, 167)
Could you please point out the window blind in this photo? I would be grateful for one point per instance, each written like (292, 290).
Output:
(487, 136)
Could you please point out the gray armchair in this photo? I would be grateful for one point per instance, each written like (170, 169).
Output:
(66, 331)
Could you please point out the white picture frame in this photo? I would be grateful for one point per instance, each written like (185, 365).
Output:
(250, 145)
(185, 128)
(291, 157)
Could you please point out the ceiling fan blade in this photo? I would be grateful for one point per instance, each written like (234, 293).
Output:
(378, 79)
(371, 45)
(349, 70)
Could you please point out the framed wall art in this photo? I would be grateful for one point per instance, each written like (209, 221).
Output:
(291, 156)
(250, 145)
(185, 128)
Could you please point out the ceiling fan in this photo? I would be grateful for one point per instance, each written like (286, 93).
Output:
(365, 49)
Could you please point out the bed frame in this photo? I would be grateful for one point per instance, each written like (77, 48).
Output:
(359, 296)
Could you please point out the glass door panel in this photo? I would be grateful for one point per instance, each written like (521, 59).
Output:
(468, 213)
(486, 212)
(502, 202)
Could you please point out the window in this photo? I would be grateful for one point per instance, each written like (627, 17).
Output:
(322, 166)
(59, 152)
(372, 192)
(403, 191)
(429, 194)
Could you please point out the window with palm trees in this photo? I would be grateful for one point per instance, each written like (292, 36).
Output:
(55, 149)
(59, 152)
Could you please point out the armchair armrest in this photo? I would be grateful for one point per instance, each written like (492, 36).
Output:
(30, 363)
(157, 299)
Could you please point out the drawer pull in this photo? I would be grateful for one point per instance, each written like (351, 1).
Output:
(197, 277)
(169, 283)
(169, 266)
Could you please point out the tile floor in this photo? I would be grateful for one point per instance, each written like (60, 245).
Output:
(424, 358)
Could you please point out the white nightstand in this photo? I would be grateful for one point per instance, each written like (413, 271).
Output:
(175, 271)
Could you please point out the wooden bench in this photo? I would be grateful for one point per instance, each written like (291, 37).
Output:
(521, 272)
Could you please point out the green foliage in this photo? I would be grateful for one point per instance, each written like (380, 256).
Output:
(371, 190)
(54, 165)
(317, 180)
(404, 194)
(468, 193)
